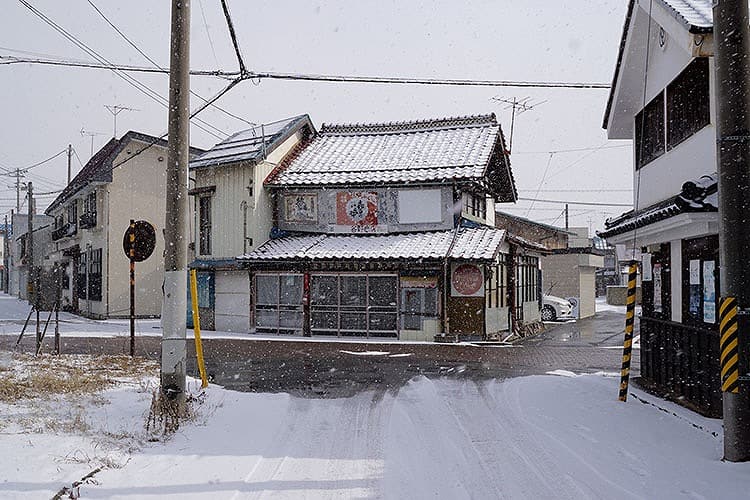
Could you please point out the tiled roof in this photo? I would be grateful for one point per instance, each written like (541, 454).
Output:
(693, 13)
(471, 244)
(696, 196)
(252, 144)
(99, 167)
(450, 149)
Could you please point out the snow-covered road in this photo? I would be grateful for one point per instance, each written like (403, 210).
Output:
(530, 437)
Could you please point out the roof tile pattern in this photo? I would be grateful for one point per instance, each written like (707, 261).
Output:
(471, 244)
(696, 13)
(252, 144)
(433, 150)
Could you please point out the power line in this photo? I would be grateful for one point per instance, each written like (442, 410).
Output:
(208, 33)
(141, 87)
(577, 202)
(157, 65)
(593, 190)
(252, 75)
(575, 150)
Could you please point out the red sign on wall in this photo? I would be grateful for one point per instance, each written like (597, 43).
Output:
(467, 280)
(355, 208)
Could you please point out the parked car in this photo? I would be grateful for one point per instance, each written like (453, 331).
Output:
(555, 308)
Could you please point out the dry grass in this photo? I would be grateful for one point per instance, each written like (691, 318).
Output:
(30, 377)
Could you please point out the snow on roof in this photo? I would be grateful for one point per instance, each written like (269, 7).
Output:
(694, 13)
(699, 195)
(252, 144)
(446, 149)
(481, 243)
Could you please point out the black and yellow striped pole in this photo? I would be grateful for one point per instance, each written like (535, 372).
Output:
(729, 345)
(627, 346)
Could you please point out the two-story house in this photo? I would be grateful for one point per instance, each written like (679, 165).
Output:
(124, 180)
(662, 98)
(234, 215)
(18, 249)
(386, 230)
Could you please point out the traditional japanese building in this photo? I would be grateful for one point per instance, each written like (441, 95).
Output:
(387, 230)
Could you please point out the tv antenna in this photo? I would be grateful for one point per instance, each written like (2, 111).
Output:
(518, 106)
(91, 135)
(116, 109)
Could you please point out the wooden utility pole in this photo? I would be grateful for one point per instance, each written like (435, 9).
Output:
(173, 349)
(70, 157)
(732, 74)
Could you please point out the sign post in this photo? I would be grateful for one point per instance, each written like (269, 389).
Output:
(138, 244)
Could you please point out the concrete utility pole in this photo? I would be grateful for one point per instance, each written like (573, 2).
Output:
(30, 242)
(732, 40)
(6, 257)
(173, 348)
(18, 190)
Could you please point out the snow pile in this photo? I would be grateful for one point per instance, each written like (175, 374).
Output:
(532, 437)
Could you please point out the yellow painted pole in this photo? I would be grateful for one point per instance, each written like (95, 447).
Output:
(197, 327)
(627, 347)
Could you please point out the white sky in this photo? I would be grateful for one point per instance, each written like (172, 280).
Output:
(44, 108)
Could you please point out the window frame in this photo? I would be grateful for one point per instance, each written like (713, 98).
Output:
(205, 224)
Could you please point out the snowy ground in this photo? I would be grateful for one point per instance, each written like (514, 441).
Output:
(554, 436)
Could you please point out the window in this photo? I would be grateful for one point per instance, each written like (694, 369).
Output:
(204, 225)
(649, 132)
(95, 275)
(497, 282)
(278, 307)
(700, 281)
(88, 218)
(688, 103)
(73, 213)
(476, 205)
(418, 304)
(354, 304)
(81, 276)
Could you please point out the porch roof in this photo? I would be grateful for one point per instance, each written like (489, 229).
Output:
(478, 244)
(696, 196)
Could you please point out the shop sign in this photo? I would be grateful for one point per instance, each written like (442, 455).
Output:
(467, 280)
(357, 212)
(418, 282)
(300, 208)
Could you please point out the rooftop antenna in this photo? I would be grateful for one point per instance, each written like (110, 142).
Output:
(91, 135)
(518, 106)
(116, 109)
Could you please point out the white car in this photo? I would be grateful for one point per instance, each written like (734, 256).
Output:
(555, 308)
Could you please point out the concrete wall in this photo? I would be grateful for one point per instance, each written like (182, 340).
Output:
(232, 306)
(572, 275)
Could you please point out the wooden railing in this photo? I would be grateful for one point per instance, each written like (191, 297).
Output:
(682, 360)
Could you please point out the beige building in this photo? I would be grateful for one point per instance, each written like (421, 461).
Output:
(234, 215)
(124, 180)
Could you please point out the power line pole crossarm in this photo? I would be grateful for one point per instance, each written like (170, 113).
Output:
(732, 73)
(174, 353)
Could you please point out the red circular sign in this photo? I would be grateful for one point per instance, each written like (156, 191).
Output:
(467, 279)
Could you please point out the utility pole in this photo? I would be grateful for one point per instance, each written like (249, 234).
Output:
(6, 257)
(566, 217)
(732, 47)
(18, 190)
(173, 348)
(70, 157)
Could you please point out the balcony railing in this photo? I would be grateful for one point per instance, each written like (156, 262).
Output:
(68, 229)
(682, 360)
(87, 220)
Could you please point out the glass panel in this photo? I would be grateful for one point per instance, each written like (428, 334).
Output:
(266, 318)
(382, 321)
(353, 290)
(268, 289)
(354, 321)
(290, 319)
(383, 290)
(324, 319)
(430, 303)
(291, 289)
(412, 300)
(412, 321)
(324, 290)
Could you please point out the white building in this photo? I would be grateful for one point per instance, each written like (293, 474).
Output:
(662, 98)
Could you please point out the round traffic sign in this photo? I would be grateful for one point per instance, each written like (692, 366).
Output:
(141, 237)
